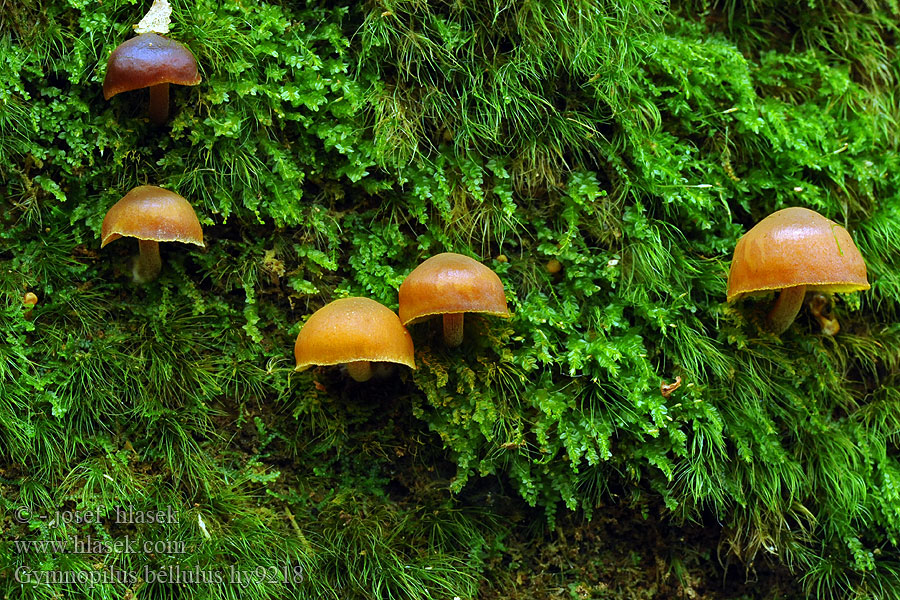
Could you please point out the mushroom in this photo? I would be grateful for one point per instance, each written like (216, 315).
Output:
(451, 285)
(355, 332)
(795, 250)
(154, 61)
(553, 266)
(29, 301)
(152, 215)
(820, 307)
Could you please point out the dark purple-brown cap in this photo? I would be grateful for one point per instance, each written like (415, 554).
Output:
(147, 60)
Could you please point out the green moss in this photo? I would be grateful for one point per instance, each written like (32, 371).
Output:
(328, 150)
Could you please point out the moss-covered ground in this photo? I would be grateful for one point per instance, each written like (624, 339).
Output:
(329, 149)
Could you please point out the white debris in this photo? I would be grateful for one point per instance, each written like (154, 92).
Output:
(157, 18)
(203, 526)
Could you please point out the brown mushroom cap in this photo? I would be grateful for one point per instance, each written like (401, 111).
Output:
(350, 330)
(451, 283)
(792, 247)
(151, 213)
(146, 60)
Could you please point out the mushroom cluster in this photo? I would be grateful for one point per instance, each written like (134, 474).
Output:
(149, 213)
(356, 332)
(795, 251)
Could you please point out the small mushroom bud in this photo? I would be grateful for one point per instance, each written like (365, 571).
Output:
(29, 300)
(553, 266)
(820, 307)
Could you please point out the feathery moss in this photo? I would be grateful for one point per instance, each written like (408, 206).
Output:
(330, 149)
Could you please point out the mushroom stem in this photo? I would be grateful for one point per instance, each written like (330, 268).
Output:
(360, 370)
(159, 103)
(453, 329)
(786, 308)
(820, 308)
(148, 263)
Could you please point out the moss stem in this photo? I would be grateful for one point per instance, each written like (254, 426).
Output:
(453, 329)
(786, 308)
(159, 103)
(148, 263)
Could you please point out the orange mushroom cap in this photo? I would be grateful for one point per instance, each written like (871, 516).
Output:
(151, 213)
(350, 330)
(451, 283)
(792, 247)
(146, 60)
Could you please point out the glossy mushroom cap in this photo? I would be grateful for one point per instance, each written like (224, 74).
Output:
(451, 283)
(350, 330)
(794, 247)
(147, 60)
(151, 213)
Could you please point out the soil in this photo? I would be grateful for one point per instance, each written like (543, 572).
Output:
(622, 554)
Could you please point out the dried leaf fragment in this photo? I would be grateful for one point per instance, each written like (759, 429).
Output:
(666, 389)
